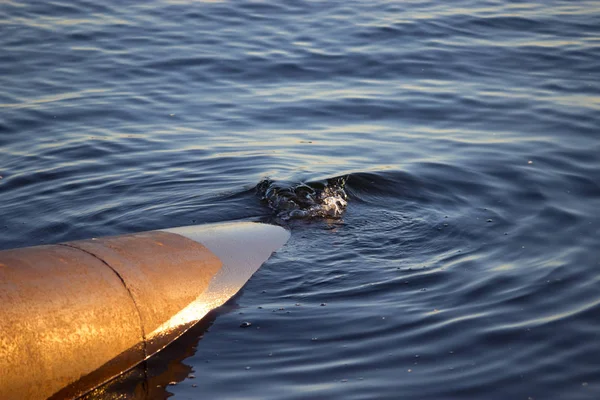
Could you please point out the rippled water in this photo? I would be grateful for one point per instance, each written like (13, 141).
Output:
(466, 263)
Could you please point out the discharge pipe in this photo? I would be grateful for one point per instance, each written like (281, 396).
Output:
(75, 315)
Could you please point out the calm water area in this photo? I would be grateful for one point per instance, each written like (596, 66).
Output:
(467, 262)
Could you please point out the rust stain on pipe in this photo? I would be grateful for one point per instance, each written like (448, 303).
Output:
(164, 272)
(73, 316)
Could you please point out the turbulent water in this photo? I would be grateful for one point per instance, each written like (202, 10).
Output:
(438, 164)
(305, 200)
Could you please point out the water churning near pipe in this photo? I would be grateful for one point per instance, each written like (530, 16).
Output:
(319, 199)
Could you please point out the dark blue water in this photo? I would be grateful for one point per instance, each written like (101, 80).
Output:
(467, 262)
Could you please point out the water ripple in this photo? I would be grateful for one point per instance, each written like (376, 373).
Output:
(464, 263)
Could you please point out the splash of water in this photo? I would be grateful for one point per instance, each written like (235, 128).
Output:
(321, 199)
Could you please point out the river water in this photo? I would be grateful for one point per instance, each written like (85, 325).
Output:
(466, 262)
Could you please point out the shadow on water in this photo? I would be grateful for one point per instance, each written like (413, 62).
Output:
(152, 378)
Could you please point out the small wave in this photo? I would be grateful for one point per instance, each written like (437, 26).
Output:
(300, 200)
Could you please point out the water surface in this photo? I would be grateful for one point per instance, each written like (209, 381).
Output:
(466, 263)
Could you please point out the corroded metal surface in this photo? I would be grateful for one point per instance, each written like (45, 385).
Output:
(75, 315)
(63, 315)
(164, 273)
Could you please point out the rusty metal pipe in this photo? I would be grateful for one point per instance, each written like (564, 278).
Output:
(75, 315)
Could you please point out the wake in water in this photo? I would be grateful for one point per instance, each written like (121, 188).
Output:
(322, 199)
